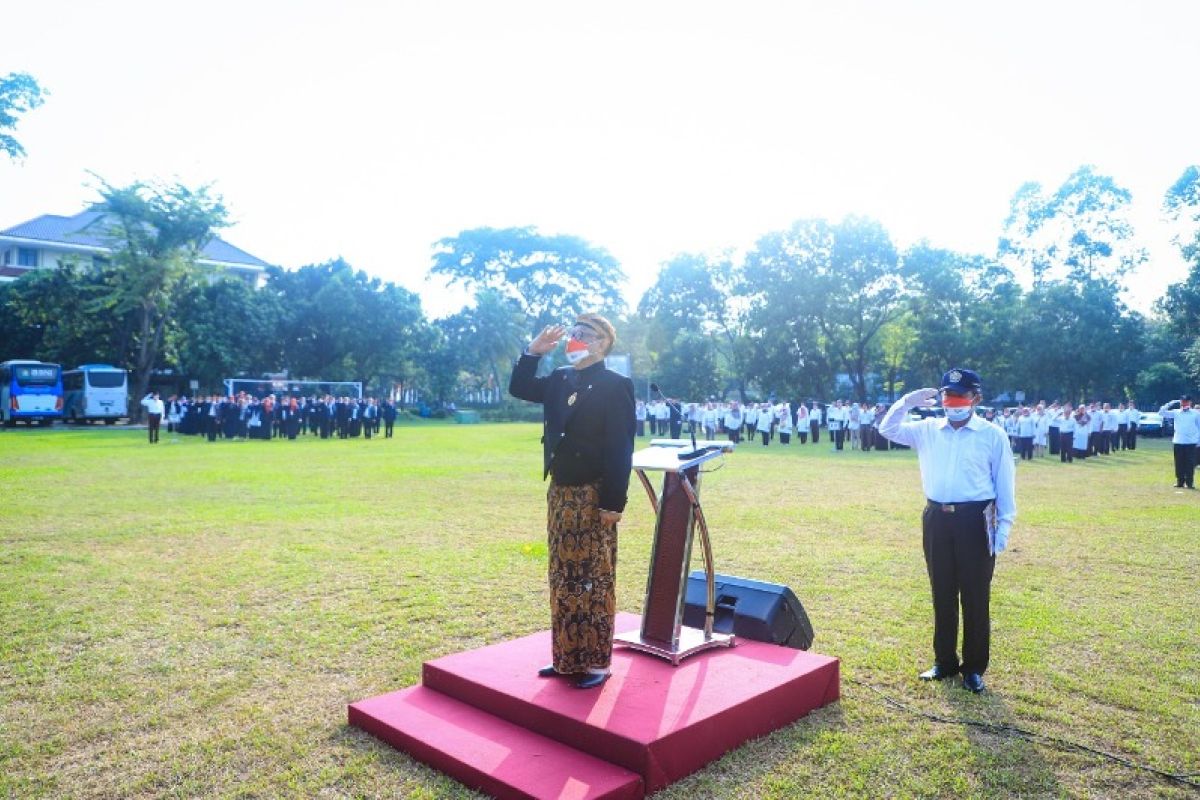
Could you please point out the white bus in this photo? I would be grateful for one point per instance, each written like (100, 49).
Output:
(95, 392)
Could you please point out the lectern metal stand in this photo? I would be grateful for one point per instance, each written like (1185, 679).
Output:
(677, 513)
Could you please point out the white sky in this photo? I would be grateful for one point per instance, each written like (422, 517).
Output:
(370, 130)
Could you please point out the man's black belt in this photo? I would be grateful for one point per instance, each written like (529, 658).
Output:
(959, 508)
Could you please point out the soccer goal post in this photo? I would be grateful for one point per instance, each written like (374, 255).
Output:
(261, 387)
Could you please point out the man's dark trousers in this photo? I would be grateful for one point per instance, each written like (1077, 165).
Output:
(1185, 464)
(960, 569)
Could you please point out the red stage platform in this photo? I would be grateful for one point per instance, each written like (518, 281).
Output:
(486, 719)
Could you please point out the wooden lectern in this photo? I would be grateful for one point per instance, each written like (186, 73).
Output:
(677, 512)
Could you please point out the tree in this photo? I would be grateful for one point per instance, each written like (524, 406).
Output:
(157, 233)
(339, 323)
(694, 295)
(487, 339)
(819, 294)
(226, 328)
(552, 278)
(19, 93)
(1083, 230)
(897, 340)
(785, 287)
(1181, 302)
(1182, 208)
(1161, 382)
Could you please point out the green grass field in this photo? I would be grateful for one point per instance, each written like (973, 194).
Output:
(191, 620)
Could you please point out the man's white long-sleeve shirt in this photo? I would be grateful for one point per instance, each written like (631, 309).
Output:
(959, 465)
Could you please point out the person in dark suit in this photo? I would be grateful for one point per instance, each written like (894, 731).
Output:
(389, 418)
(370, 415)
(587, 450)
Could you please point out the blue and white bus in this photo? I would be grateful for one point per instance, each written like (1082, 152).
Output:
(95, 392)
(30, 391)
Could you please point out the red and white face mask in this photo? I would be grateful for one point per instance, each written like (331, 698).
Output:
(577, 350)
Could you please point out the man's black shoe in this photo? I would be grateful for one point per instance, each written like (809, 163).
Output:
(936, 673)
(547, 671)
(591, 680)
(1179, 486)
(973, 682)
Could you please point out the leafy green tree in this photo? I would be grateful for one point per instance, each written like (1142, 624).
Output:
(339, 323)
(1182, 207)
(688, 370)
(819, 294)
(552, 278)
(157, 233)
(1083, 230)
(785, 286)
(1181, 302)
(19, 93)
(226, 328)
(897, 341)
(40, 317)
(694, 295)
(1161, 382)
(487, 340)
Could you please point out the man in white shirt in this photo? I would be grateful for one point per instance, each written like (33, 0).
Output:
(733, 422)
(1186, 439)
(836, 419)
(1134, 420)
(968, 476)
(154, 414)
(1026, 427)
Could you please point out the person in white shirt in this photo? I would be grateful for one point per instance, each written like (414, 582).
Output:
(1066, 433)
(709, 418)
(1186, 439)
(968, 477)
(1134, 418)
(802, 423)
(733, 422)
(866, 431)
(639, 415)
(1041, 430)
(815, 418)
(1097, 421)
(1083, 433)
(154, 414)
(763, 422)
(1052, 437)
(853, 424)
(783, 421)
(1025, 427)
(834, 416)
(1108, 429)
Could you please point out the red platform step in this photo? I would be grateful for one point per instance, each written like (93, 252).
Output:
(658, 721)
(487, 753)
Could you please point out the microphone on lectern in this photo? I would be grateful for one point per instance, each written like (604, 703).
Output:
(696, 451)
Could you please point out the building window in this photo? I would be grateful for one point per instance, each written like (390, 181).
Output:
(27, 257)
(5, 258)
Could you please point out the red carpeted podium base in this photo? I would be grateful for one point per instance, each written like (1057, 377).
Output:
(486, 719)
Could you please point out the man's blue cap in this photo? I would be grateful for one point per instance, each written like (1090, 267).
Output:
(961, 380)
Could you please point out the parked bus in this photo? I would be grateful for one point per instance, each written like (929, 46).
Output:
(30, 390)
(95, 392)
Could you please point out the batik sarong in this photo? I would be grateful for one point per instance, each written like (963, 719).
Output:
(583, 567)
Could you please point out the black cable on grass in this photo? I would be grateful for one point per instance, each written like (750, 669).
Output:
(1012, 731)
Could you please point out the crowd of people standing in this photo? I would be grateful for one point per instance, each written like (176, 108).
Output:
(847, 423)
(244, 416)
(1065, 430)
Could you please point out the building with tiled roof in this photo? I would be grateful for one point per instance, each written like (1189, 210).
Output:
(49, 241)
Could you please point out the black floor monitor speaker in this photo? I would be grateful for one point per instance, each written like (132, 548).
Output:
(749, 609)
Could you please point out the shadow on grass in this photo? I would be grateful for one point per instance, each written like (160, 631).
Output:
(1008, 765)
